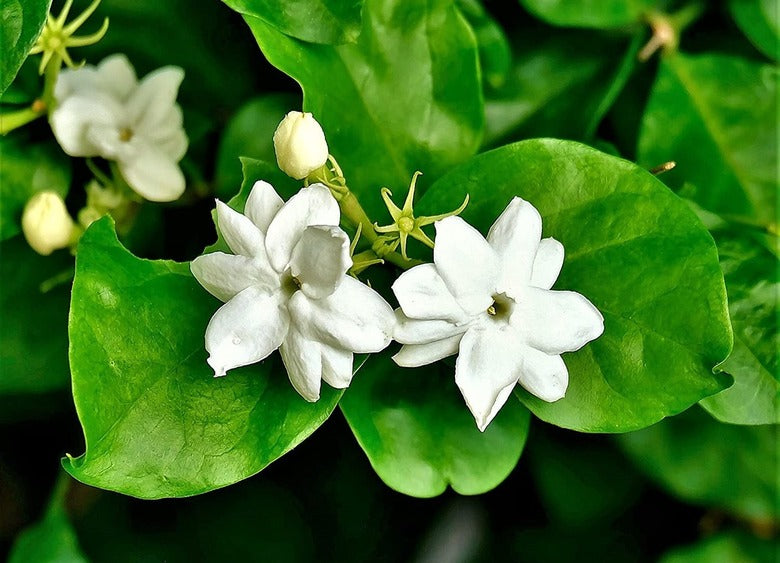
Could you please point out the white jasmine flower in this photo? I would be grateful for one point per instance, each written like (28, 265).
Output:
(286, 287)
(105, 111)
(46, 223)
(300, 145)
(489, 301)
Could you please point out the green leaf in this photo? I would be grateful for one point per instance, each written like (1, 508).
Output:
(570, 477)
(601, 14)
(156, 422)
(700, 460)
(727, 547)
(317, 21)
(406, 97)
(52, 540)
(33, 333)
(495, 53)
(27, 168)
(752, 275)
(715, 116)
(637, 252)
(560, 85)
(21, 22)
(420, 437)
(250, 134)
(759, 20)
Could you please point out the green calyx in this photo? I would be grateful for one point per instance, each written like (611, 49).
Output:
(405, 224)
(57, 37)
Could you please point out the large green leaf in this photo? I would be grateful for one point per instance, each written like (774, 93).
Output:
(250, 134)
(726, 547)
(33, 331)
(21, 22)
(405, 97)
(560, 85)
(420, 437)
(638, 253)
(27, 168)
(706, 462)
(715, 116)
(156, 423)
(752, 275)
(317, 21)
(602, 14)
(760, 21)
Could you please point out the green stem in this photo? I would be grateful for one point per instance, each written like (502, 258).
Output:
(50, 76)
(16, 119)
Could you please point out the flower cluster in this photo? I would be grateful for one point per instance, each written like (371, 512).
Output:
(286, 286)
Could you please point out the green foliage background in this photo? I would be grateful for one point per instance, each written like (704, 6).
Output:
(683, 266)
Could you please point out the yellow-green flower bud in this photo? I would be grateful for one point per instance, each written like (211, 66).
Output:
(46, 224)
(300, 145)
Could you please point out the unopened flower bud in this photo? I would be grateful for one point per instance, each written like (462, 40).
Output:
(46, 224)
(300, 145)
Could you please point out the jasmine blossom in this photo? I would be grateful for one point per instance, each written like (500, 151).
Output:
(105, 111)
(490, 302)
(286, 286)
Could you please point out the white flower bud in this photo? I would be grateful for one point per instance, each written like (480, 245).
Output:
(300, 145)
(46, 224)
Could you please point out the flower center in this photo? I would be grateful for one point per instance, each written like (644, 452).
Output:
(501, 308)
(125, 134)
(290, 284)
(405, 224)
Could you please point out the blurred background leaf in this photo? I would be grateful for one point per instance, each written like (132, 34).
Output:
(703, 461)
(27, 168)
(599, 14)
(760, 21)
(715, 116)
(752, 273)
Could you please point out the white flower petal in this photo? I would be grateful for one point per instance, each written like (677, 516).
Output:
(466, 263)
(311, 206)
(245, 330)
(415, 355)
(240, 234)
(73, 116)
(414, 331)
(152, 100)
(302, 359)
(543, 375)
(547, 263)
(336, 366)
(354, 317)
(556, 321)
(262, 205)
(225, 275)
(116, 75)
(320, 260)
(487, 363)
(153, 175)
(422, 294)
(515, 237)
(168, 134)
